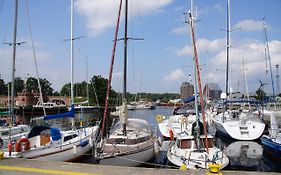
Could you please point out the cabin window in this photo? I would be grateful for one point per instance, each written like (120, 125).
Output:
(185, 144)
(66, 138)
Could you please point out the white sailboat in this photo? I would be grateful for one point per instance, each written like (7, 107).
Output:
(239, 124)
(171, 126)
(12, 132)
(195, 150)
(50, 143)
(130, 142)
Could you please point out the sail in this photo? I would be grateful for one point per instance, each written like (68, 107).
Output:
(63, 115)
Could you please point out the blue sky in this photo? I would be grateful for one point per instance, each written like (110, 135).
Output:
(162, 61)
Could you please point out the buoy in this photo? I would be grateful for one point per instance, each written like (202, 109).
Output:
(91, 141)
(183, 167)
(159, 118)
(171, 134)
(214, 169)
(74, 149)
(1, 154)
(10, 148)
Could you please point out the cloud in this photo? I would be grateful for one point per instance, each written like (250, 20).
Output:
(179, 30)
(250, 25)
(215, 8)
(252, 52)
(203, 45)
(175, 75)
(102, 14)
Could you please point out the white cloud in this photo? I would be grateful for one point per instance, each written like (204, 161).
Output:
(252, 52)
(102, 14)
(206, 10)
(203, 45)
(250, 25)
(175, 75)
(179, 30)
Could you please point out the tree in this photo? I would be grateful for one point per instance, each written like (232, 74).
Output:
(3, 87)
(260, 94)
(32, 85)
(100, 85)
(65, 90)
(19, 85)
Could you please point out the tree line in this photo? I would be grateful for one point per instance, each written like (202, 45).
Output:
(95, 89)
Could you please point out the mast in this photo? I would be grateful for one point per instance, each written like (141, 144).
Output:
(197, 74)
(88, 98)
(71, 60)
(227, 47)
(13, 62)
(267, 56)
(125, 61)
(111, 69)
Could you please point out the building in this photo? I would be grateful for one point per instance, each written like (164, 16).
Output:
(212, 91)
(187, 90)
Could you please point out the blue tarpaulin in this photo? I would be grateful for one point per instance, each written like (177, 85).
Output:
(63, 115)
(189, 99)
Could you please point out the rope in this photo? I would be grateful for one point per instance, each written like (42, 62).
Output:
(34, 57)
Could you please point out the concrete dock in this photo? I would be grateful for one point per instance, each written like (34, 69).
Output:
(35, 167)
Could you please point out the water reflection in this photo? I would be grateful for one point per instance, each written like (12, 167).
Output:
(245, 154)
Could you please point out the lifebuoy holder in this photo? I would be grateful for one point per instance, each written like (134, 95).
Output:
(20, 142)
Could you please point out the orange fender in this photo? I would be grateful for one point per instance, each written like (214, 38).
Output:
(171, 135)
(20, 141)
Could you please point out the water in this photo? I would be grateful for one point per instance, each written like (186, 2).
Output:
(243, 155)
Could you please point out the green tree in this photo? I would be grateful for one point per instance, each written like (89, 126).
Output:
(32, 85)
(100, 85)
(65, 90)
(19, 85)
(260, 94)
(3, 87)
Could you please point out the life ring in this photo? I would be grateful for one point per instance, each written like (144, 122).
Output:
(159, 118)
(26, 146)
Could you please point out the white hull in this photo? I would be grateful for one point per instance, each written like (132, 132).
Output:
(176, 123)
(234, 128)
(134, 159)
(193, 159)
(69, 150)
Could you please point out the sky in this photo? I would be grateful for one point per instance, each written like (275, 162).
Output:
(158, 64)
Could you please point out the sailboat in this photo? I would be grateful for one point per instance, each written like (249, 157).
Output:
(239, 124)
(195, 149)
(13, 131)
(130, 142)
(50, 143)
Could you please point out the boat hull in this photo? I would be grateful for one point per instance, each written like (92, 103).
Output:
(271, 146)
(129, 159)
(252, 130)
